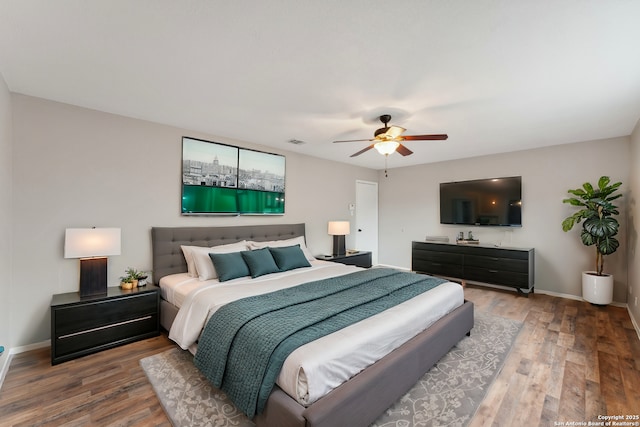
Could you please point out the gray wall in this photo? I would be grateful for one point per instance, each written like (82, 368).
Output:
(6, 280)
(633, 253)
(409, 208)
(75, 167)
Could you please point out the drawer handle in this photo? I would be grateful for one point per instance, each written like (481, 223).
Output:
(436, 263)
(493, 271)
(104, 327)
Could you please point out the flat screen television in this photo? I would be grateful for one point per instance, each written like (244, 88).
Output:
(491, 202)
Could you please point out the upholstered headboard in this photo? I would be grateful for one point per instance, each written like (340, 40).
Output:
(166, 241)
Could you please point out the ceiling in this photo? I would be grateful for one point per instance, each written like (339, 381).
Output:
(495, 75)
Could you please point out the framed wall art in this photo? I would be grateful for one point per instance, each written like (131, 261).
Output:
(221, 179)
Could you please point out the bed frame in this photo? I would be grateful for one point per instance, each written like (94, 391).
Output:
(357, 402)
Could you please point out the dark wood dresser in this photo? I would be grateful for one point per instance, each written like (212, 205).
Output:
(512, 267)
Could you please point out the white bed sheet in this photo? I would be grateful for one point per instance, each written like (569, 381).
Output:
(316, 368)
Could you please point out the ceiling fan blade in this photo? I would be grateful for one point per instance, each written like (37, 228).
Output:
(403, 150)
(394, 131)
(353, 140)
(364, 150)
(438, 137)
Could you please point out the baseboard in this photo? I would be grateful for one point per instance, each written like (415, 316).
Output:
(633, 322)
(575, 297)
(5, 361)
(29, 347)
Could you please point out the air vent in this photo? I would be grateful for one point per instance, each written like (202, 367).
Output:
(296, 142)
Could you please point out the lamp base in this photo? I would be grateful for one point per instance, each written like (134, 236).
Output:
(338, 246)
(93, 276)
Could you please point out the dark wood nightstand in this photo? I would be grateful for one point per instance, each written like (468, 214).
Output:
(360, 259)
(81, 326)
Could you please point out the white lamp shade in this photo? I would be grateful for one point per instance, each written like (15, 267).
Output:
(338, 228)
(386, 147)
(91, 242)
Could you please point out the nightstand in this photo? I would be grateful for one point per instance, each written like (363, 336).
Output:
(81, 326)
(360, 259)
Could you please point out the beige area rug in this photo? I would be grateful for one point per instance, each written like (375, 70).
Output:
(448, 395)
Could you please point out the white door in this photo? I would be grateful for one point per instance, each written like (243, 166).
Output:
(366, 222)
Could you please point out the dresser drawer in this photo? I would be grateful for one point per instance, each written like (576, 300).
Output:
(498, 277)
(497, 263)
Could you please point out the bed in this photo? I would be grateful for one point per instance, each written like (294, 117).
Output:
(361, 399)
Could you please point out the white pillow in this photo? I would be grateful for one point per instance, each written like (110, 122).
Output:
(191, 266)
(286, 242)
(204, 268)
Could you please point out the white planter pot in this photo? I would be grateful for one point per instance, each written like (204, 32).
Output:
(597, 289)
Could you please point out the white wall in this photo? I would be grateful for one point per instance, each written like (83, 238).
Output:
(75, 167)
(633, 253)
(409, 201)
(6, 142)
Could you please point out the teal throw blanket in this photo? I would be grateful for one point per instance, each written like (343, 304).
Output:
(245, 343)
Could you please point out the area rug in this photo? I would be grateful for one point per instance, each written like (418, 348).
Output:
(448, 395)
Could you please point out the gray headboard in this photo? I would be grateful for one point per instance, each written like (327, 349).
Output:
(166, 241)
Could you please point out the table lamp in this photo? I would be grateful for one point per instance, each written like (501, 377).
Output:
(92, 246)
(338, 229)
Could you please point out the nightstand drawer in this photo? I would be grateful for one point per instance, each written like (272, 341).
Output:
(92, 340)
(82, 317)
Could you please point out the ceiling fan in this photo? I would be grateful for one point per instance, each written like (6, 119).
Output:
(387, 139)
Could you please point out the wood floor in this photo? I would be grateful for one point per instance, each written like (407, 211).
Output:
(571, 362)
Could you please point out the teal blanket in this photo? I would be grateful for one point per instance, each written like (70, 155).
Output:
(245, 343)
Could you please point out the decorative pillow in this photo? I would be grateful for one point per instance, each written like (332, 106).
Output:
(289, 257)
(204, 266)
(229, 266)
(280, 243)
(188, 256)
(260, 262)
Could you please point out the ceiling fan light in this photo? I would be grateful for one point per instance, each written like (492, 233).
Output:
(386, 147)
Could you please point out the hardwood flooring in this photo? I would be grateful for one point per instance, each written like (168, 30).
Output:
(571, 362)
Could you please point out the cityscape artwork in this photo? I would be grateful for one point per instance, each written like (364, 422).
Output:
(228, 180)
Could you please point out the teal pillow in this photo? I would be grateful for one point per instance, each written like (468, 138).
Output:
(260, 262)
(289, 257)
(229, 266)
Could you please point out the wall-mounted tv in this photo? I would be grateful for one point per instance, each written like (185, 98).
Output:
(496, 201)
(221, 179)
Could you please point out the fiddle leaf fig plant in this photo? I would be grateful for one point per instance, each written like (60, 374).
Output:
(598, 213)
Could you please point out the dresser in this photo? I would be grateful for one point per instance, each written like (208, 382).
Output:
(504, 266)
(85, 325)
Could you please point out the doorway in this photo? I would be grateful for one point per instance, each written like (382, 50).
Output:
(366, 218)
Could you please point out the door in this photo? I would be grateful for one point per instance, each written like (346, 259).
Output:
(366, 221)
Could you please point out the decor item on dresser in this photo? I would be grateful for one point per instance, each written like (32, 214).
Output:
(598, 229)
(224, 179)
(338, 229)
(436, 320)
(133, 278)
(92, 246)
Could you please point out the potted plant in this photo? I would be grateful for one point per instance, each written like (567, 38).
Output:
(138, 277)
(598, 229)
(127, 282)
